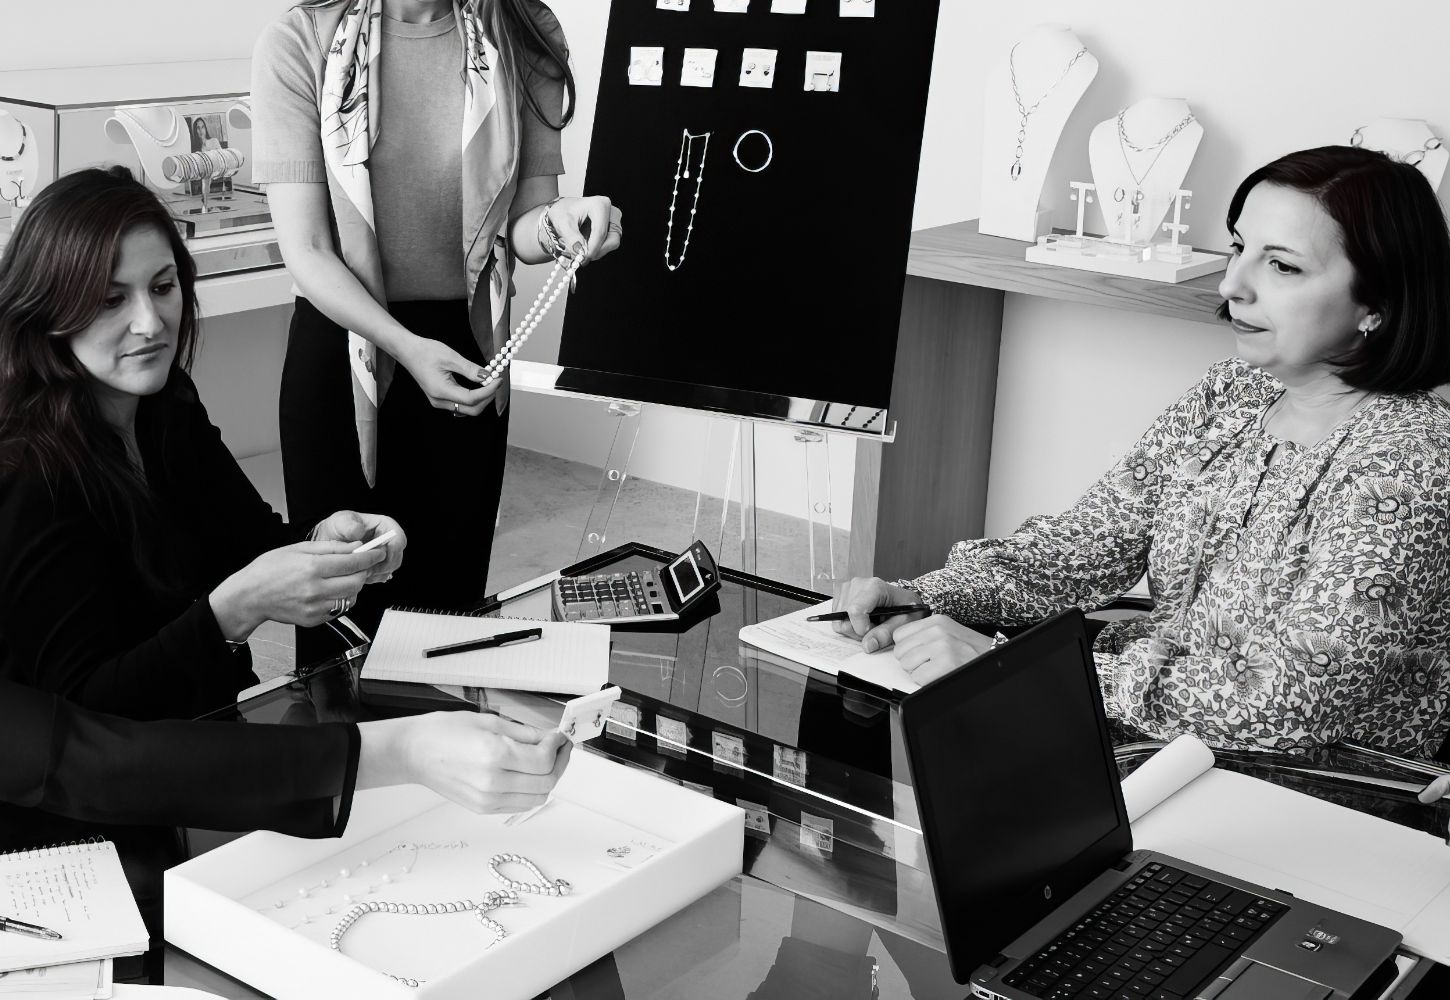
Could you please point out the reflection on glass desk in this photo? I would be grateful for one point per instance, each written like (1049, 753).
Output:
(835, 900)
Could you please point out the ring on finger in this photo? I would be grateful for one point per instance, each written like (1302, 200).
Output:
(456, 412)
(336, 608)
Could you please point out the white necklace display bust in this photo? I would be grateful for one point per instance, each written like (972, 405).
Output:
(1408, 139)
(1041, 80)
(1139, 158)
(19, 160)
(156, 132)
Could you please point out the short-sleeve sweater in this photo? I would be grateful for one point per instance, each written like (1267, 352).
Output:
(416, 159)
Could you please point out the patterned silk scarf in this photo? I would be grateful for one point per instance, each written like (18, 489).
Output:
(351, 117)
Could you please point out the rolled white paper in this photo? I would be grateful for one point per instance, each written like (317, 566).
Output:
(1164, 773)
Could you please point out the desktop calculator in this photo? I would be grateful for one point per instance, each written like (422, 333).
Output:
(638, 595)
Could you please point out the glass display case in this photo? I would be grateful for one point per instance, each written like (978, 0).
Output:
(185, 129)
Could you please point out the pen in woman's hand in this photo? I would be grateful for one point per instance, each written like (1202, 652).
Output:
(874, 614)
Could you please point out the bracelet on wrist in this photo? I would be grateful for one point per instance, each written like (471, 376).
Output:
(549, 239)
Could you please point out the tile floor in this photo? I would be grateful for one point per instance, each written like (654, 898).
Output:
(546, 504)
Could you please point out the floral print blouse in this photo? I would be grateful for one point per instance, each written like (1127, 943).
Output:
(1296, 603)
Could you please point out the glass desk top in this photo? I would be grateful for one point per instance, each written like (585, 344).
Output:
(835, 894)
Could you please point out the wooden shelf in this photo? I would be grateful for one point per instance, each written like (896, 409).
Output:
(961, 255)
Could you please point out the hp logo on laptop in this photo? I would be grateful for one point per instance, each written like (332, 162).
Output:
(1047, 892)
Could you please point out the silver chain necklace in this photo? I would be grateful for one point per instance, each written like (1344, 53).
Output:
(1125, 144)
(1025, 111)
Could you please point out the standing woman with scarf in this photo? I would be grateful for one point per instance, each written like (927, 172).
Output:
(411, 152)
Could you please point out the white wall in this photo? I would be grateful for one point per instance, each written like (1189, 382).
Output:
(1077, 384)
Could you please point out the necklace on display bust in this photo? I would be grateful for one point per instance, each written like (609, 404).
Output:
(19, 150)
(682, 170)
(1413, 157)
(173, 122)
(1125, 144)
(1026, 112)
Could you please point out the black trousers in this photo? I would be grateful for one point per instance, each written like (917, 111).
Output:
(439, 475)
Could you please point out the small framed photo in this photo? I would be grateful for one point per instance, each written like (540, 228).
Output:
(207, 131)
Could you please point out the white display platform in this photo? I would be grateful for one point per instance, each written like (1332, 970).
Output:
(221, 907)
(1197, 265)
(234, 293)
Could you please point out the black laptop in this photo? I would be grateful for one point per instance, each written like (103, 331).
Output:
(1040, 891)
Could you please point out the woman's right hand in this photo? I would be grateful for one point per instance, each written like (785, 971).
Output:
(433, 365)
(861, 595)
(485, 763)
(302, 584)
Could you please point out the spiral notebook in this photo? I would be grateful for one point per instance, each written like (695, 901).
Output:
(76, 889)
(570, 658)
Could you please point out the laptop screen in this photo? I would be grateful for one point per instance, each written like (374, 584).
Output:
(1018, 793)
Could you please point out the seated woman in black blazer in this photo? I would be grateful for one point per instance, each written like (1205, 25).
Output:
(135, 556)
(87, 768)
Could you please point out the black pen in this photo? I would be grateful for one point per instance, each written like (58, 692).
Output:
(29, 930)
(488, 642)
(900, 609)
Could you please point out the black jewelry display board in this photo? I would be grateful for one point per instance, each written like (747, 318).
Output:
(792, 280)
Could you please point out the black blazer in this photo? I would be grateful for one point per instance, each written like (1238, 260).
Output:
(80, 768)
(79, 617)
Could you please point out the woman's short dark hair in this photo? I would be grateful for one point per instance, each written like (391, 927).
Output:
(1393, 231)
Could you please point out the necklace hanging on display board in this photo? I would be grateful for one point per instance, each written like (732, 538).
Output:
(682, 172)
(1025, 113)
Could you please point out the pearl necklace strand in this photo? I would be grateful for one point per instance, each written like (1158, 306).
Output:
(682, 170)
(491, 901)
(362, 870)
(170, 136)
(496, 365)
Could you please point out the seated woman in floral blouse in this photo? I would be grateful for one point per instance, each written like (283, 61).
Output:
(1292, 510)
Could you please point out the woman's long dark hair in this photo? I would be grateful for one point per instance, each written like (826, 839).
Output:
(54, 276)
(519, 29)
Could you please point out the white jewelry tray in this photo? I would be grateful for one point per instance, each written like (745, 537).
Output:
(220, 907)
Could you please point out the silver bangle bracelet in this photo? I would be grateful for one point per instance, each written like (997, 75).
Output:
(549, 239)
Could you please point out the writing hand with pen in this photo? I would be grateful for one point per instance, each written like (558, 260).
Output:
(927, 646)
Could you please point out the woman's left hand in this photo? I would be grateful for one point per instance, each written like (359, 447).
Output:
(1435, 791)
(934, 646)
(350, 526)
(569, 216)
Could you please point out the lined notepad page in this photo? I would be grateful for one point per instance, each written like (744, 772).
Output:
(571, 658)
(77, 890)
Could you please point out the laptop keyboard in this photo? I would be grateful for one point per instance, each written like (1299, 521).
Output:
(1158, 937)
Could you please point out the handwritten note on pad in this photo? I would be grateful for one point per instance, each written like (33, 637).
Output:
(818, 645)
(78, 890)
(571, 658)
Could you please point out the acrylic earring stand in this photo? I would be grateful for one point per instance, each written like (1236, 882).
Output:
(1169, 261)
